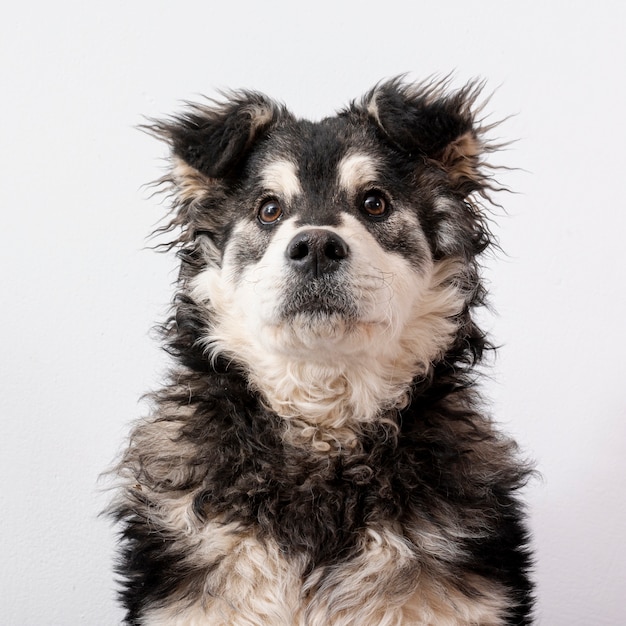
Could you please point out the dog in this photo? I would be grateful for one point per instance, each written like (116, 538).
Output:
(320, 454)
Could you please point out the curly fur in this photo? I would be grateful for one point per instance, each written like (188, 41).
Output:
(320, 455)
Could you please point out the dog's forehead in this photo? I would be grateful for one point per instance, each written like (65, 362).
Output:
(316, 156)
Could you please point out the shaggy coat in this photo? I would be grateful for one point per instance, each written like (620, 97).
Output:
(319, 455)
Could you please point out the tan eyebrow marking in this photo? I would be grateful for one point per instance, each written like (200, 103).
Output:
(356, 170)
(281, 178)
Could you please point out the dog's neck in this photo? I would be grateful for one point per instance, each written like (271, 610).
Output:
(326, 405)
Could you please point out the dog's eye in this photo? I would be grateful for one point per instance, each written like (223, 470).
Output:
(374, 204)
(269, 212)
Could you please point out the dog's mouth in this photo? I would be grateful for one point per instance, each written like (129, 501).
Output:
(319, 300)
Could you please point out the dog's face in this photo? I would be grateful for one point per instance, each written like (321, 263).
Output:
(345, 244)
(325, 254)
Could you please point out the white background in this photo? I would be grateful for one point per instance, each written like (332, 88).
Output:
(79, 292)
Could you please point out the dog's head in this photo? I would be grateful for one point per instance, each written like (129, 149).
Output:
(344, 248)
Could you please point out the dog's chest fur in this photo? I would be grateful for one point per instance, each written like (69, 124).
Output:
(318, 456)
(281, 536)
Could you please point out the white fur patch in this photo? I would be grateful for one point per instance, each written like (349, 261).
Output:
(356, 171)
(384, 585)
(436, 601)
(253, 586)
(369, 589)
(281, 179)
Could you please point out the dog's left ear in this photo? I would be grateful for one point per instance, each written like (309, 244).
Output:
(426, 121)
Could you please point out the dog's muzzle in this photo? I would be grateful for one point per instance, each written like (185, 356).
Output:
(316, 252)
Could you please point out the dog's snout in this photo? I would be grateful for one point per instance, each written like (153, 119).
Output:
(317, 251)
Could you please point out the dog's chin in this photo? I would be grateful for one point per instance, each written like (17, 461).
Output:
(320, 330)
(321, 324)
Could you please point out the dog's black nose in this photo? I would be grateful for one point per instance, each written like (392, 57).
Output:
(317, 251)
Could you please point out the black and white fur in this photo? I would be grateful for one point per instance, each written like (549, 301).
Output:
(319, 456)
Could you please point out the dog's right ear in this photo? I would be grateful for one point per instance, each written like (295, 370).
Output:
(209, 144)
(213, 139)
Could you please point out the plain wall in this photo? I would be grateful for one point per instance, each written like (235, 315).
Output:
(80, 291)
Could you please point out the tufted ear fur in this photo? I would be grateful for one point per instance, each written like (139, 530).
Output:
(427, 121)
(214, 139)
(209, 144)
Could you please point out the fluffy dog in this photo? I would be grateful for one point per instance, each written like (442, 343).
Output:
(319, 456)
